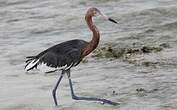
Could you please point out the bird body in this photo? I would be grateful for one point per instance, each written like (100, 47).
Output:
(61, 56)
(68, 54)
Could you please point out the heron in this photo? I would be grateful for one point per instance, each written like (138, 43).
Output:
(63, 56)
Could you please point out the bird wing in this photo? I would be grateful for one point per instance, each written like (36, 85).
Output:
(52, 61)
(60, 56)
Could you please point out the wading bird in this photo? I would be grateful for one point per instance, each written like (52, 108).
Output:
(68, 54)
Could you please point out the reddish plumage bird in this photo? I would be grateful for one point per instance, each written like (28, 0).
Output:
(68, 54)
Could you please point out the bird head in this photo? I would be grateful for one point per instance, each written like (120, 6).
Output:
(94, 12)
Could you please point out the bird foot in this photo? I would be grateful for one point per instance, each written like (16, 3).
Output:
(109, 102)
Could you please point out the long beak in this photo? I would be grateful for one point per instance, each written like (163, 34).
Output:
(107, 18)
(110, 19)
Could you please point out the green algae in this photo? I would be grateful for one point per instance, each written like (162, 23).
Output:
(110, 52)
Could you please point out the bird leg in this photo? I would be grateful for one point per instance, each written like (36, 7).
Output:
(55, 88)
(86, 98)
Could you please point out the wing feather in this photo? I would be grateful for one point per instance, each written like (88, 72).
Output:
(52, 61)
(62, 56)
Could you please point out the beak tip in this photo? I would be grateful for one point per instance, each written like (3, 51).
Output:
(110, 19)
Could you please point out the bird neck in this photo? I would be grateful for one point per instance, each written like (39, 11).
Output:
(95, 38)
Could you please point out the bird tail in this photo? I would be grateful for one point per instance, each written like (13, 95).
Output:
(32, 62)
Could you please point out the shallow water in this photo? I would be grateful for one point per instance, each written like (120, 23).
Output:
(29, 26)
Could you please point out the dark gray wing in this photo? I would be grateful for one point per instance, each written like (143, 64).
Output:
(64, 54)
(66, 60)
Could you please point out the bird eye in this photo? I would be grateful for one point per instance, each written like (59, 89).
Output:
(95, 13)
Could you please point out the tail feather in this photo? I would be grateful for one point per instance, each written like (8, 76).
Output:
(31, 57)
(28, 60)
(31, 63)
